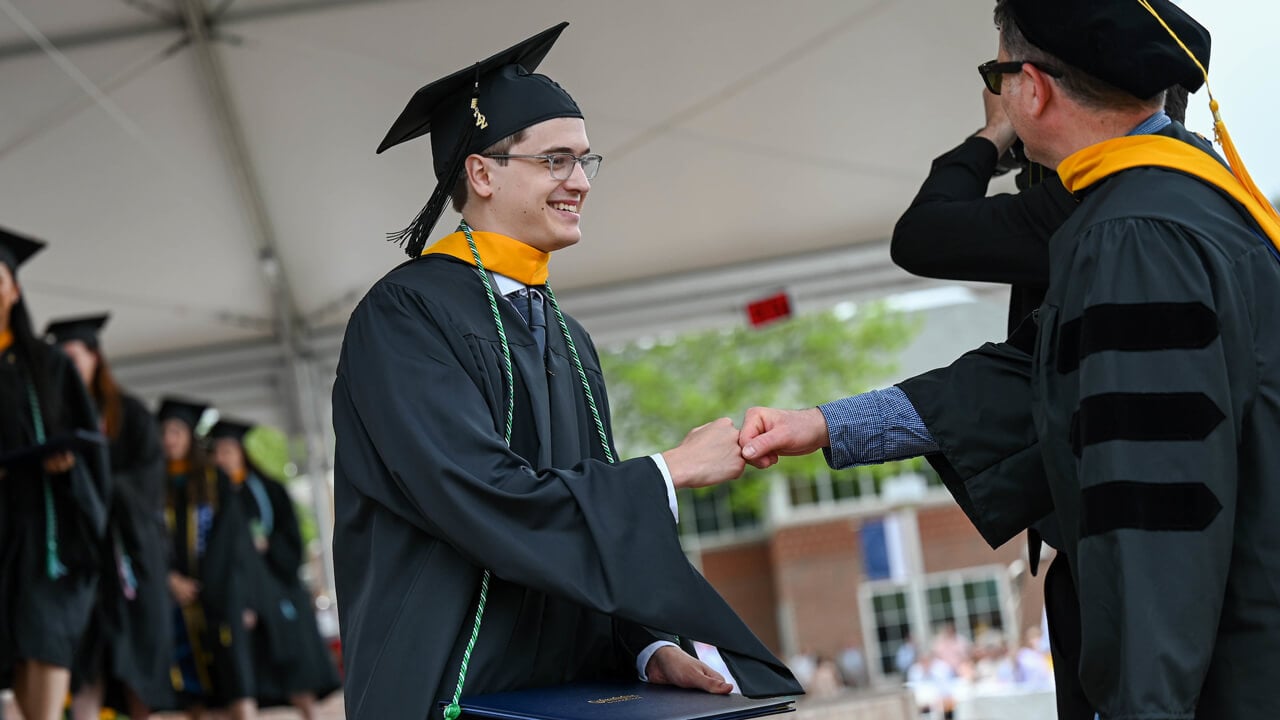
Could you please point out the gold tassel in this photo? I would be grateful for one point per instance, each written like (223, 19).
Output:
(1220, 133)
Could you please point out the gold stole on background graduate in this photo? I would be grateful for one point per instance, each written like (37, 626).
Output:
(1097, 162)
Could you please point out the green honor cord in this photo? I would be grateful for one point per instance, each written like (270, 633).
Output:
(53, 565)
(453, 710)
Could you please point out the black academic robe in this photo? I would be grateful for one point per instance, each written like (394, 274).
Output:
(126, 646)
(290, 657)
(42, 618)
(428, 494)
(213, 648)
(953, 231)
(1153, 378)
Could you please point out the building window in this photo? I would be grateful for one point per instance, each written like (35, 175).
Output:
(893, 627)
(973, 600)
(715, 512)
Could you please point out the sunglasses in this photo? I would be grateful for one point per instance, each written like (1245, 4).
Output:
(993, 72)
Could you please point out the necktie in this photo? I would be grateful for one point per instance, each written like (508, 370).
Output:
(529, 302)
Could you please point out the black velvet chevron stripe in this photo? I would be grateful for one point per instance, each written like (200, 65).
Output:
(1139, 327)
(1146, 417)
(1156, 507)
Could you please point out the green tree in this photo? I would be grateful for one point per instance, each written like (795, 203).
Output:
(660, 389)
(270, 451)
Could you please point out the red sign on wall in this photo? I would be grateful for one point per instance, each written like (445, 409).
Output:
(769, 309)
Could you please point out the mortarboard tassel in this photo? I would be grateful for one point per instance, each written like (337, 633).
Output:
(1220, 133)
(414, 237)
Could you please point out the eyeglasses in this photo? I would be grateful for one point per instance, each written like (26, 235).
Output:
(561, 164)
(993, 72)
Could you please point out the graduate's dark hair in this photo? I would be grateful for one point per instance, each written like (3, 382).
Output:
(34, 355)
(107, 395)
(458, 195)
(1079, 85)
(1175, 103)
(201, 475)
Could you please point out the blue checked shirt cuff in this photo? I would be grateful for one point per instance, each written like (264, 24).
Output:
(874, 427)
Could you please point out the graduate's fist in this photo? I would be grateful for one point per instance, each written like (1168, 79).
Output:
(673, 666)
(184, 590)
(59, 463)
(709, 455)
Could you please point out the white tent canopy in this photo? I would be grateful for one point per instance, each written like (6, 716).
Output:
(204, 169)
(180, 155)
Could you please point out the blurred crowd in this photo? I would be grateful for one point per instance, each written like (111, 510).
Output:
(948, 668)
(952, 666)
(147, 564)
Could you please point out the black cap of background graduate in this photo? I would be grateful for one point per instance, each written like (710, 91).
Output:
(86, 329)
(227, 428)
(1118, 41)
(16, 249)
(471, 110)
(188, 411)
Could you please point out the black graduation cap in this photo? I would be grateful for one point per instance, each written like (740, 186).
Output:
(16, 249)
(230, 429)
(471, 110)
(85, 329)
(188, 411)
(1119, 41)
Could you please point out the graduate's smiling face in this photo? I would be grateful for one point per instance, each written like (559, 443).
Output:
(228, 455)
(521, 200)
(175, 437)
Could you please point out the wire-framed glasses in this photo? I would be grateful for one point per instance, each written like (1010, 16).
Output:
(561, 164)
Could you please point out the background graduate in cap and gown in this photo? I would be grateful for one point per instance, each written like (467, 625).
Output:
(476, 483)
(1152, 374)
(292, 664)
(210, 542)
(53, 510)
(125, 655)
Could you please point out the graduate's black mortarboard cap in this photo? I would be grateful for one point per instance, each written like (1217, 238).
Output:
(85, 329)
(230, 429)
(1119, 41)
(188, 411)
(16, 249)
(472, 109)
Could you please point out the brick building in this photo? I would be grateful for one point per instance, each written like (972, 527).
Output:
(807, 571)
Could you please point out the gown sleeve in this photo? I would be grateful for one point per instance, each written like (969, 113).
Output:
(953, 231)
(979, 412)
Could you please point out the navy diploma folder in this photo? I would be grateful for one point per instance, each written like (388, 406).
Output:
(620, 701)
(75, 441)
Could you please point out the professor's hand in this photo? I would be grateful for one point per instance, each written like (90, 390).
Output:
(769, 433)
(708, 455)
(673, 666)
(998, 128)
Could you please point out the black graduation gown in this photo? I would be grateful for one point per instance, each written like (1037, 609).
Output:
(428, 494)
(953, 231)
(289, 655)
(1154, 378)
(126, 646)
(44, 619)
(212, 645)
